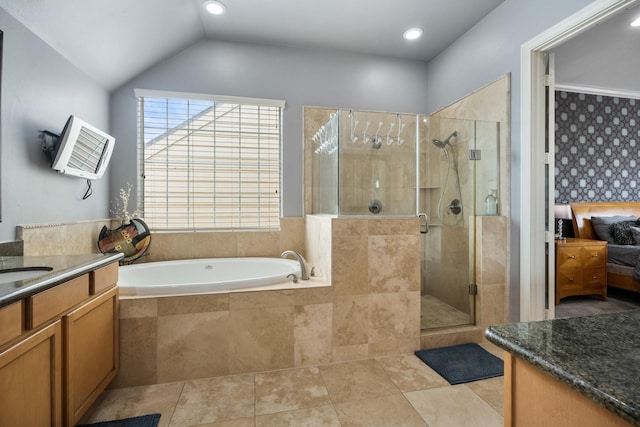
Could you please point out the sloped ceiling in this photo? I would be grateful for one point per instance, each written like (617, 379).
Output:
(114, 40)
(605, 57)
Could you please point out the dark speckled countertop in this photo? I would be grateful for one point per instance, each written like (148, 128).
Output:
(598, 356)
(64, 267)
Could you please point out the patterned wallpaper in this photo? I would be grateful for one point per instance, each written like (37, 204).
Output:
(597, 148)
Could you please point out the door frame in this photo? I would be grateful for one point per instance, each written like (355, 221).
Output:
(533, 232)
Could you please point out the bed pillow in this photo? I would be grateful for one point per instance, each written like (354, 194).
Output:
(622, 232)
(635, 232)
(602, 225)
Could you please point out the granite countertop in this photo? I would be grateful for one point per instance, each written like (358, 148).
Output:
(598, 355)
(64, 267)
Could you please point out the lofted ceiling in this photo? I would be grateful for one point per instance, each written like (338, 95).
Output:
(112, 41)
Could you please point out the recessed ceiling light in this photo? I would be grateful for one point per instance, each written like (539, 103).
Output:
(412, 34)
(214, 7)
(636, 23)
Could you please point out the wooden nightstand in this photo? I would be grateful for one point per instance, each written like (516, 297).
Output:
(581, 268)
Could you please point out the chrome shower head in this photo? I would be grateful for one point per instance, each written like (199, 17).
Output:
(443, 144)
(438, 143)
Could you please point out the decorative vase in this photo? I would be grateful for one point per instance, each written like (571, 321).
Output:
(132, 239)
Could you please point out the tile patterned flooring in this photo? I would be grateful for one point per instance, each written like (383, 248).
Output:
(438, 314)
(386, 391)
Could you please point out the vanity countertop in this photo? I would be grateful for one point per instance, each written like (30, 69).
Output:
(598, 355)
(64, 267)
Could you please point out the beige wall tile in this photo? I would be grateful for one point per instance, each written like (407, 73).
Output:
(260, 299)
(318, 244)
(393, 226)
(138, 352)
(192, 346)
(394, 316)
(192, 304)
(350, 320)
(394, 263)
(313, 321)
(62, 239)
(138, 307)
(312, 332)
(393, 346)
(349, 264)
(292, 235)
(492, 255)
(350, 352)
(312, 352)
(259, 243)
(260, 339)
(350, 227)
(491, 306)
(317, 295)
(170, 246)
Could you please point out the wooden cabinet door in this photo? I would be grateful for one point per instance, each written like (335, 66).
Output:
(92, 352)
(31, 380)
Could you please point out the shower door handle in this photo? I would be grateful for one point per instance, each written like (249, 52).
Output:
(424, 224)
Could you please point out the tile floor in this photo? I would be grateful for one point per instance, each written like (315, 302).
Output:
(386, 391)
(438, 314)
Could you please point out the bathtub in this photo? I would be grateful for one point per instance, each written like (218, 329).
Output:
(208, 275)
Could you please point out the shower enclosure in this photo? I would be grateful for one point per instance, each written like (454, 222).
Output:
(364, 163)
(374, 164)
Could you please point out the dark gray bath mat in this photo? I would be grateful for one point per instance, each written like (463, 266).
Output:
(462, 363)
(151, 420)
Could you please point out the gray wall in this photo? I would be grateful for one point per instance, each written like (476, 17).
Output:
(300, 77)
(487, 51)
(40, 89)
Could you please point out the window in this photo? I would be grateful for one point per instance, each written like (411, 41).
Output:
(209, 162)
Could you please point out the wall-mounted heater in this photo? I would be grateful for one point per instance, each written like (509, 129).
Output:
(80, 150)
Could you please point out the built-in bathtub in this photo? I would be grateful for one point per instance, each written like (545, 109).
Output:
(208, 275)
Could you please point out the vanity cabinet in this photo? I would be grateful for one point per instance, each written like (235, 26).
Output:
(31, 380)
(65, 354)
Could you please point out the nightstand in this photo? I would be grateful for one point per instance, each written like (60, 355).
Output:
(581, 268)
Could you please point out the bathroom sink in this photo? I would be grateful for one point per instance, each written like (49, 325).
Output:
(8, 275)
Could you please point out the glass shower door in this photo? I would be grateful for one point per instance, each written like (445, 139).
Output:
(454, 154)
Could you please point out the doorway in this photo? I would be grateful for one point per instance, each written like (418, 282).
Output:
(535, 271)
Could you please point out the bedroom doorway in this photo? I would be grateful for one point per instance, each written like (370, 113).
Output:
(535, 269)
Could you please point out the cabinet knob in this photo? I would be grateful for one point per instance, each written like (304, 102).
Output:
(594, 277)
(572, 257)
(595, 255)
(571, 279)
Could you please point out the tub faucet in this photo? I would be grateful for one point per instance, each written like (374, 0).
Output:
(304, 270)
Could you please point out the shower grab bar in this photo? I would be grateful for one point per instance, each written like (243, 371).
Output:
(424, 226)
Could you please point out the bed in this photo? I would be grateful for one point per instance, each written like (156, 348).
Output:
(622, 260)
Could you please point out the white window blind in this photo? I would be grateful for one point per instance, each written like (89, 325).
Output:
(209, 164)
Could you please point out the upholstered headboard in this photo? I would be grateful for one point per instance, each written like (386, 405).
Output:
(583, 211)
